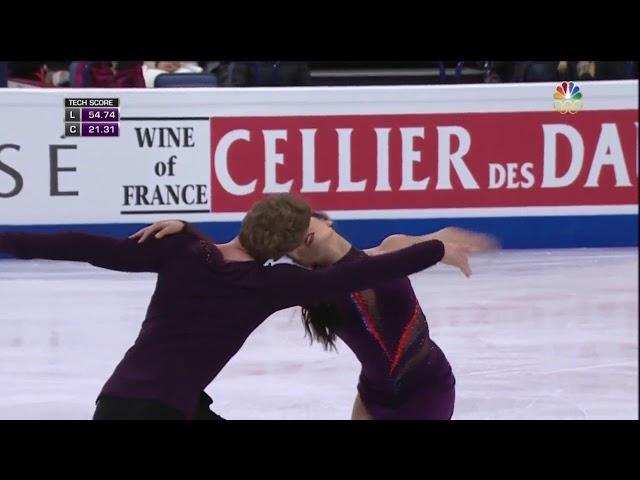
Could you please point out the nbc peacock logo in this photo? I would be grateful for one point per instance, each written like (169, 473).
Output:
(567, 98)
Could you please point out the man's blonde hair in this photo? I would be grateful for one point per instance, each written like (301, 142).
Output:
(274, 226)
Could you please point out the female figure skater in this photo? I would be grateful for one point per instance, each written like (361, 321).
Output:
(404, 373)
(209, 298)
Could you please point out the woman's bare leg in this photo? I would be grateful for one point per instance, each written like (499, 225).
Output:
(359, 410)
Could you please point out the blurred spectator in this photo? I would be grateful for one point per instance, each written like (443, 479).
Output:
(497, 72)
(87, 74)
(536, 71)
(585, 70)
(609, 70)
(567, 70)
(58, 73)
(27, 75)
(107, 74)
(150, 73)
(128, 75)
(4, 73)
(571, 70)
(280, 73)
(264, 74)
(631, 70)
(210, 67)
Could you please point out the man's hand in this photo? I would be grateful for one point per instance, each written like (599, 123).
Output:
(159, 230)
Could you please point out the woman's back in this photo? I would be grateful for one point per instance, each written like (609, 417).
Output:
(384, 326)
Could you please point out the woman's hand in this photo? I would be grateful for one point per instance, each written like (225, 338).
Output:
(457, 256)
(473, 241)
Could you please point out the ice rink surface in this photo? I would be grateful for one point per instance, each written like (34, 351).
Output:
(538, 334)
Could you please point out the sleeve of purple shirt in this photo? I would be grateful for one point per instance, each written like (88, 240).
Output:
(292, 285)
(121, 254)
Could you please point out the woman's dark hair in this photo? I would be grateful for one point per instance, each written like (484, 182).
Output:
(27, 70)
(321, 216)
(321, 320)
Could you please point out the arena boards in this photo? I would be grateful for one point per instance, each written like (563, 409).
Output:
(509, 159)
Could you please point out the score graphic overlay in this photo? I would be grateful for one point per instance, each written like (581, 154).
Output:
(92, 117)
